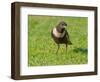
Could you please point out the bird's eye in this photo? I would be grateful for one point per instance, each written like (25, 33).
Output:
(63, 24)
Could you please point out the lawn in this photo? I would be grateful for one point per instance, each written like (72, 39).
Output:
(42, 48)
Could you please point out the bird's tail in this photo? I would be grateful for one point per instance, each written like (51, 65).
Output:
(69, 42)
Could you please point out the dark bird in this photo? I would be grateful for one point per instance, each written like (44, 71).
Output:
(60, 35)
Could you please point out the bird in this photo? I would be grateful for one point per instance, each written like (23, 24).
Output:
(60, 35)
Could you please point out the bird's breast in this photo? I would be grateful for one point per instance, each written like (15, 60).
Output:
(58, 34)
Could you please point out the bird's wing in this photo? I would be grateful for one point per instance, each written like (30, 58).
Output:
(67, 36)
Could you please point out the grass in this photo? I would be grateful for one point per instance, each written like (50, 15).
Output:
(42, 48)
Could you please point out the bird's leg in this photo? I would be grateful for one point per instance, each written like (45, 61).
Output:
(58, 48)
(66, 47)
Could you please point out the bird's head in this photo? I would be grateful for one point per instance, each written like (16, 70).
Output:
(61, 26)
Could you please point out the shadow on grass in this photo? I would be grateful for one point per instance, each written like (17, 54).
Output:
(81, 50)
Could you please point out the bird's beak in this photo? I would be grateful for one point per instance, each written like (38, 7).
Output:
(65, 26)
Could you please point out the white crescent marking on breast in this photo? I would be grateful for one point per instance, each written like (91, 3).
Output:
(57, 34)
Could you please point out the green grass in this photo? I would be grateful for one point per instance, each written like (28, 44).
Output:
(42, 48)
